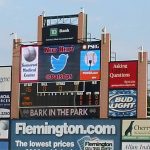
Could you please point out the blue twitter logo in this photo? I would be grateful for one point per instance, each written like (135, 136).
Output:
(58, 64)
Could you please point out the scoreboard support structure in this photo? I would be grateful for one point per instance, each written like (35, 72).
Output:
(105, 55)
(15, 78)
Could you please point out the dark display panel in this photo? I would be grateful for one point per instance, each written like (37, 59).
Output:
(59, 33)
(66, 99)
(59, 93)
(60, 87)
(59, 63)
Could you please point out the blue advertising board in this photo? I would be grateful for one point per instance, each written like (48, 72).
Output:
(68, 134)
(122, 103)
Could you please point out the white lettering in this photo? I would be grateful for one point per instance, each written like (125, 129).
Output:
(60, 130)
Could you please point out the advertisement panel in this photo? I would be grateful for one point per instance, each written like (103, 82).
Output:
(29, 64)
(138, 130)
(60, 112)
(59, 63)
(123, 74)
(5, 78)
(135, 145)
(5, 101)
(4, 129)
(65, 134)
(90, 64)
(59, 34)
(122, 103)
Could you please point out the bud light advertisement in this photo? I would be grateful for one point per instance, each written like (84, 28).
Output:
(122, 103)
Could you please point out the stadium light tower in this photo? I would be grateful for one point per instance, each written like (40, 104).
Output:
(15, 35)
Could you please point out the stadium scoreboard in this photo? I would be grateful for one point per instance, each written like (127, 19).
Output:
(64, 79)
(60, 95)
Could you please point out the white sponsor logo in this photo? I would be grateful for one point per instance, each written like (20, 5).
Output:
(64, 30)
(64, 129)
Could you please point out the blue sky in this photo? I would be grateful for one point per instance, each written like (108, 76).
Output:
(126, 20)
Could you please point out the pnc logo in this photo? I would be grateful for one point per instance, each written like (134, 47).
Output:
(90, 46)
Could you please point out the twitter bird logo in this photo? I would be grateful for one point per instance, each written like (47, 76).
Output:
(58, 64)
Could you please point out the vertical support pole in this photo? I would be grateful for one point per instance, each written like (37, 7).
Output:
(82, 27)
(105, 59)
(39, 33)
(15, 79)
(142, 84)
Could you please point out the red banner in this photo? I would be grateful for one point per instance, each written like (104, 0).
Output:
(123, 75)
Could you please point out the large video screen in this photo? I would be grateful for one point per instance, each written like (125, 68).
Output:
(60, 63)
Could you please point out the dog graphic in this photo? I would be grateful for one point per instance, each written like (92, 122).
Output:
(129, 129)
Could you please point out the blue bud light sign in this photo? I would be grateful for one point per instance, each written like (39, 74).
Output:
(122, 103)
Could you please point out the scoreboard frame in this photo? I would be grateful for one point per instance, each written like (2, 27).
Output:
(67, 95)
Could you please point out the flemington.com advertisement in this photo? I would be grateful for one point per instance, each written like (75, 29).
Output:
(65, 134)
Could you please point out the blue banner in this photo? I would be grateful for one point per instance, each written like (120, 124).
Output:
(122, 103)
(65, 134)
